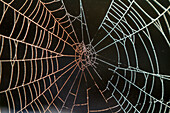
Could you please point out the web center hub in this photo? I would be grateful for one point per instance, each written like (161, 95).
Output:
(85, 55)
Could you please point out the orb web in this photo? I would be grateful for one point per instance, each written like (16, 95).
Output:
(51, 62)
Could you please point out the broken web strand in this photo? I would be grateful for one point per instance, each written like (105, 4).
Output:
(101, 93)
(83, 23)
(126, 36)
(159, 76)
(82, 16)
(134, 70)
(95, 83)
(82, 20)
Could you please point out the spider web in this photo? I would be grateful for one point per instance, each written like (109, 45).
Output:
(49, 62)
